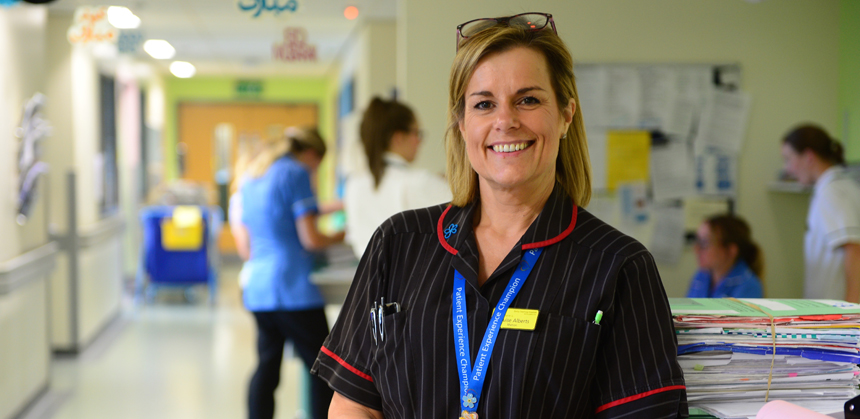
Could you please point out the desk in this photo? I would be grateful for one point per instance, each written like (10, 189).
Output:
(334, 279)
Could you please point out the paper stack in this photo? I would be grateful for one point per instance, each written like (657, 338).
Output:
(726, 349)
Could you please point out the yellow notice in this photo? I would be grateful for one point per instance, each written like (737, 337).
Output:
(520, 319)
(627, 156)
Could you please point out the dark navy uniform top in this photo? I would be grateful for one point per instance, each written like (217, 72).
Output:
(568, 367)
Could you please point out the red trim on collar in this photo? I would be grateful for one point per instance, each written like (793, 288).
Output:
(528, 246)
(637, 397)
(558, 238)
(439, 229)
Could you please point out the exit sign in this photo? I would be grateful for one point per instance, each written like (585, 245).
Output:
(249, 87)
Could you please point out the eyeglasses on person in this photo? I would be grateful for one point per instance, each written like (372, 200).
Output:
(532, 21)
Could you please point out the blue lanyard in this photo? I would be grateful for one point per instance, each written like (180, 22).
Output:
(472, 381)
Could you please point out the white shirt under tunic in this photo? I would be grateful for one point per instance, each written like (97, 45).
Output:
(833, 221)
(401, 188)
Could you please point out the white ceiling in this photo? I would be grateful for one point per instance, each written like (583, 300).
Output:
(219, 38)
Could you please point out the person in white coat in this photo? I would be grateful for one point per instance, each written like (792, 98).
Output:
(390, 135)
(832, 242)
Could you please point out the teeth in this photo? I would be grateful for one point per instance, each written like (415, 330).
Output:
(508, 148)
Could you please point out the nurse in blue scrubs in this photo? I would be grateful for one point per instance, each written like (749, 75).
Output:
(280, 212)
(730, 263)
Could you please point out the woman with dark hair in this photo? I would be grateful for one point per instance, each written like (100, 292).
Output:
(279, 210)
(832, 242)
(512, 301)
(730, 263)
(391, 136)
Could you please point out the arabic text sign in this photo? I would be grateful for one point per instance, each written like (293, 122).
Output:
(274, 6)
(90, 25)
(294, 47)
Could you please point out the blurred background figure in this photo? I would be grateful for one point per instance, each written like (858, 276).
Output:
(730, 263)
(279, 211)
(832, 241)
(246, 153)
(391, 135)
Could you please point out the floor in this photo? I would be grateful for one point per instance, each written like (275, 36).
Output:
(170, 358)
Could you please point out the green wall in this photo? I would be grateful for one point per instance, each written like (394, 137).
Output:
(849, 78)
(318, 90)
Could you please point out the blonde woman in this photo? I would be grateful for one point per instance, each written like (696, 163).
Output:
(513, 301)
(279, 211)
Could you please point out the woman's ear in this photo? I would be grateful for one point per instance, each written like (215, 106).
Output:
(568, 112)
(733, 251)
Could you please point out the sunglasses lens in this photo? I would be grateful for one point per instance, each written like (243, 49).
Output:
(476, 26)
(530, 21)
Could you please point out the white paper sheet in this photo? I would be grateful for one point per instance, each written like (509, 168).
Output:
(667, 242)
(591, 86)
(724, 121)
(672, 171)
(659, 91)
(624, 96)
(597, 153)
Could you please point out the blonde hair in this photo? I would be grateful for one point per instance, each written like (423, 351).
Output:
(573, 167)
(294, 140)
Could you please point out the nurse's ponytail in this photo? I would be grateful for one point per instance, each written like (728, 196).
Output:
(732, 230)
(381, 120)
(812, 137)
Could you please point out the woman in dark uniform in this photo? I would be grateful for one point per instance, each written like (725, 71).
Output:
(513, 301)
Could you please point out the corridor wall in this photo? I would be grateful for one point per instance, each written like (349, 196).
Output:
(26, 253)
(86, 287)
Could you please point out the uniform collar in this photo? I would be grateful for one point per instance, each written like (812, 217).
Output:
(555, 222)
(394, 159)
(829, 175)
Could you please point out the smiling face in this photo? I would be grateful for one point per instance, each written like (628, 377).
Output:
(512, 124)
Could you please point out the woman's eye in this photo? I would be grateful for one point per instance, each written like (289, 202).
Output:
(530, 100)
(483, 105)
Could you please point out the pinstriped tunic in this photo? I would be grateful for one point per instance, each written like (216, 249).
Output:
(567, 367)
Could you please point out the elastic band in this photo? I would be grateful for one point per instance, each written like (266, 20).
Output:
(772, 334)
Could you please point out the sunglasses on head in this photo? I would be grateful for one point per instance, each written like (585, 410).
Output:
(532, 21)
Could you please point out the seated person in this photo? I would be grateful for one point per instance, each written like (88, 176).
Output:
(730, 263)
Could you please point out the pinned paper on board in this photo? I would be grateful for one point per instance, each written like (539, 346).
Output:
(627, 156)
(716, 173)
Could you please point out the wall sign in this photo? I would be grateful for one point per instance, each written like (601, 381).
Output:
(31, 132)
(90, 25)
(294, 47)
(273, 6)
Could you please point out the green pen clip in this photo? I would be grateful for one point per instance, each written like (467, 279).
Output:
(598, 317)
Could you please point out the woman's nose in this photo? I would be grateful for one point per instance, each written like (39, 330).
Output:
(507, 118)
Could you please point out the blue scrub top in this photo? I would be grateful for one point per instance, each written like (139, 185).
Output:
(279, 267)
(740, 282)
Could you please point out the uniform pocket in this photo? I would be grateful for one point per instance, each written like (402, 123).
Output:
(561, 368)
(393, 366)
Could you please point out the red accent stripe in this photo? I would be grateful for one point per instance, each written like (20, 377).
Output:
(345, 364)
(439, 229)
(637, 397)
(558, 238)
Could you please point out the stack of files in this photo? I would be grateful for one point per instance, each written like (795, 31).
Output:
(726, 350)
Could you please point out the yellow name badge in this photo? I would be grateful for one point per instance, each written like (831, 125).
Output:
(520, 319)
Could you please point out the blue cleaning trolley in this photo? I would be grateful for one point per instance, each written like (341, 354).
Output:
(178, 249)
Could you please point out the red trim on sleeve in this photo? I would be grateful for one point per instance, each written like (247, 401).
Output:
(558, 238)
(439, 229)
(637, 397)
(340, 361)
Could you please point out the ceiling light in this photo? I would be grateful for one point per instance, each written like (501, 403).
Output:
(351, 12)
(122, 18)
(182, 69)
(159, 49)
